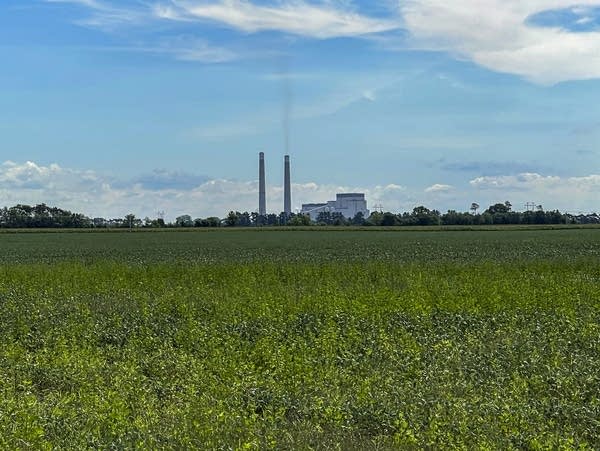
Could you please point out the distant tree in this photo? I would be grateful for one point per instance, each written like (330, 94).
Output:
(388, 219)
(497, 208)
(99, 222)
(324, 217)
(184, 221)
(208, 222)
(374, 219)
(452, 217)
(338, 219)
(129, 220)
(283, 218)
(359, 219)
(425, 217)
(244, 219)
(232, 219)
(261, 220)
(299, 220)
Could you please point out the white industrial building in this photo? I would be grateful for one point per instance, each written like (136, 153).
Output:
(348, 204)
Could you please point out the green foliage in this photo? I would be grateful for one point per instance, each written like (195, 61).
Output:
(287, 340)
(41, 216)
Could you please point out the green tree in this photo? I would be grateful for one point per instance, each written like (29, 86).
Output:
(389, 219)
(359, 219)
(497, 208)
(232, 219)
(184, 221)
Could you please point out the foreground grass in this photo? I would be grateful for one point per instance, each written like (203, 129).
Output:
(325, 354)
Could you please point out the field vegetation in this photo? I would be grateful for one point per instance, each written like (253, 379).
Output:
(300, 340)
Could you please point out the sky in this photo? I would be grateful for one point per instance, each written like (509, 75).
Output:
(110, 107)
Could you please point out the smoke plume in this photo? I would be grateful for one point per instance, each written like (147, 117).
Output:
(287, 102)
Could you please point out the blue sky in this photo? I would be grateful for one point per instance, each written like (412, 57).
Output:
(144, 105)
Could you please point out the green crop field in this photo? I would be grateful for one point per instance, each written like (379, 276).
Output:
(300, 340)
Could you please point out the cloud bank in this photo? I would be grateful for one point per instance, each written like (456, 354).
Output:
(179, 193)
(174, 192)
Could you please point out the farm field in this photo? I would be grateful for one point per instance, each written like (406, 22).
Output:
(300, 339)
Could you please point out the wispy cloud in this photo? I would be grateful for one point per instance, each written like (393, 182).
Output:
(317, 20)
(106, 14)
(320, 20)
(184, 48)
(195, 52)
(487, 168)
(497, 34)
(89, 3)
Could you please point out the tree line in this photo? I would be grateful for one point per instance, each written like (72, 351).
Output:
(43, 216)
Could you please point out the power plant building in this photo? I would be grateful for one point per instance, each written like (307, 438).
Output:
(348, 204)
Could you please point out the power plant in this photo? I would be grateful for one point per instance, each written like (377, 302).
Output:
(347, 204)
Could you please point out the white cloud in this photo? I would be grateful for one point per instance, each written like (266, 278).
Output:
(584, 20)
(179, 193)
(175, 192)
(564, 193)
(496, 34)
(369, 95)
(438, 188)
(526, 180)
(298, 17)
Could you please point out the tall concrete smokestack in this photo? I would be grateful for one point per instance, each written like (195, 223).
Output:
(262, 195)
(287, 188)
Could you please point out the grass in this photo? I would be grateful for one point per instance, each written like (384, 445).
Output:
(298, 340)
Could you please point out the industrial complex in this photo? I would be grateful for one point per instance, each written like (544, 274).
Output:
(346, 204)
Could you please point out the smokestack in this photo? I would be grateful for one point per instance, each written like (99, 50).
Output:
(287, 188)
(262, 198)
